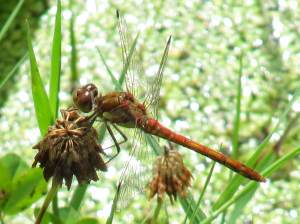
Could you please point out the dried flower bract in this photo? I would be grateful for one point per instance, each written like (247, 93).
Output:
(70, 148)
(170, 176)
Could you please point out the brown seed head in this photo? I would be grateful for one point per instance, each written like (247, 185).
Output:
(70, 148)
(170, 176)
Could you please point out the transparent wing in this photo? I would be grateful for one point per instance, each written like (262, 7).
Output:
(131, 64)
(137, 170)
(153, 94)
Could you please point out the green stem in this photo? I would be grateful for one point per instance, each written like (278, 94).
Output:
(78, 196)
(235, 137)
(156, 212)
(1, 218)
(50, 195)
(203, 191)
(55, 206)
(10, 19)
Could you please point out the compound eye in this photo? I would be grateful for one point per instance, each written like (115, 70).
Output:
(92, 89)
(82, 98)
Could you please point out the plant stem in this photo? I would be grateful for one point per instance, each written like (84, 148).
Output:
(55, 206)
(156, 212)
(286, 132)
(202, 192)
(47, 201)
(1, 218)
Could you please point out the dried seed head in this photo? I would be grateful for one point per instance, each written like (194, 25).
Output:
(170, 176)
(70, 148)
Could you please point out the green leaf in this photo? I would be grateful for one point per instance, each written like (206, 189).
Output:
(40, 98)
(10, 166)
(68, 215)
(55, 63)
(118, 83)
(10, 19)
(127, 63)
(154, 144)
(240, 205)
(5, 179)
(236, 126)
(114, 206)
(245, 199)
(234, 184)
(74, 72)
(78, 196)
(73, 216)
(192, 218)
(26, 189)
(118, 86)
(88, 221)
(189, 205)
(12, 72)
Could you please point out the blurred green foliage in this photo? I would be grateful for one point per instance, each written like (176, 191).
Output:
(13, 44)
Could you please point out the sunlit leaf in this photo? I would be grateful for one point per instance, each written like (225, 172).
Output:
(55, 63)
(10, 19)
(40, 98)
(12, 72)
(26, 189)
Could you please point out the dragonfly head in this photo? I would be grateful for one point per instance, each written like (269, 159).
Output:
(84, 97)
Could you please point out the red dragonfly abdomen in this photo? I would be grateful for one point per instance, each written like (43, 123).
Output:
(153, 127)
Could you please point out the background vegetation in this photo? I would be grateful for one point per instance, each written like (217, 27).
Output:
(232, 78)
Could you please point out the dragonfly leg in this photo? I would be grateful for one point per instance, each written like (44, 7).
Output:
(121, 133)
(116, 143)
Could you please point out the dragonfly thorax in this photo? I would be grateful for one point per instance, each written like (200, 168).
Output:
(85, 96)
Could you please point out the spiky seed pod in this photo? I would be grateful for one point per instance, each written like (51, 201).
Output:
(169, 176)
(70, 148)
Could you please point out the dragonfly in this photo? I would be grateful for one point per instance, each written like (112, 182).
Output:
(123, 109)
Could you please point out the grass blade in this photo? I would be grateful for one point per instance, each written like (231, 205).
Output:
(116, 83)
(114, 205)
(74, 72)
(236, 126)
(192, 218)
(10, 19)
(127, 63)
(78, 196)
(237, 180)
(12, 72)
(251, 185)
(189, 205)
(40, 98)
(55, 63)
(243, 201)
(154, 144)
